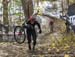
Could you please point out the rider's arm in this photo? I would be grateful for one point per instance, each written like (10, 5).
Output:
(25, 25)
(38, 26)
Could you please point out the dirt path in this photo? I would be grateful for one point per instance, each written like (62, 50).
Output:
(43, 48)
(8, 49)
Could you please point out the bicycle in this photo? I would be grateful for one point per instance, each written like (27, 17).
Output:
(19, 34)
(68, 34)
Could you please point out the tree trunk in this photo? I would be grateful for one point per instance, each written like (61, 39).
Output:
(5, 12)
(68, 3)
(62, 7)
(27, 7)
(37, 2)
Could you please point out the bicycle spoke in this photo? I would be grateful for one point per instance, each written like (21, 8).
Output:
(19, 35)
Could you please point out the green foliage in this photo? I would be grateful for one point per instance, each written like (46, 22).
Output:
(0, 1)
(18, 14)
(49, 0)
(71, 1)
(18, 2)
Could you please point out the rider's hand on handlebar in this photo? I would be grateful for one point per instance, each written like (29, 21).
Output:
(40, 31)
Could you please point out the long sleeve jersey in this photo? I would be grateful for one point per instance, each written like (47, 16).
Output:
(31, 27)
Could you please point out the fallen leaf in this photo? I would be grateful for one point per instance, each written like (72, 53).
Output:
(66, 55)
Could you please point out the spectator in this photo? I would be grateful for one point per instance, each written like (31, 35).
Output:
(51, 24)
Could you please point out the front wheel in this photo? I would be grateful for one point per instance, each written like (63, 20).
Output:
(19, 34)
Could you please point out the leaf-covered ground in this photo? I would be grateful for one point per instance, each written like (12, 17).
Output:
(53, 44)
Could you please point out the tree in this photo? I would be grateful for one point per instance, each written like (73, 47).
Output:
(71, 1)
(5, 12)
(49, 0)
(27, 7)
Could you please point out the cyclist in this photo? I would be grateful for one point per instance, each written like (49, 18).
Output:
(51, 24)
(31, 31)
(67, 26)
(73, 26)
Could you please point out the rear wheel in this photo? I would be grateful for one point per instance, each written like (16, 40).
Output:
(19, 34)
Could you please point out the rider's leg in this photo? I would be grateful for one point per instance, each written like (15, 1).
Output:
(34, 39)
(67, 29)
(29, 40)
(74, 28)
(51, 28)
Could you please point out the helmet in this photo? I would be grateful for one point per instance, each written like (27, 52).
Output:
(32, 18)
